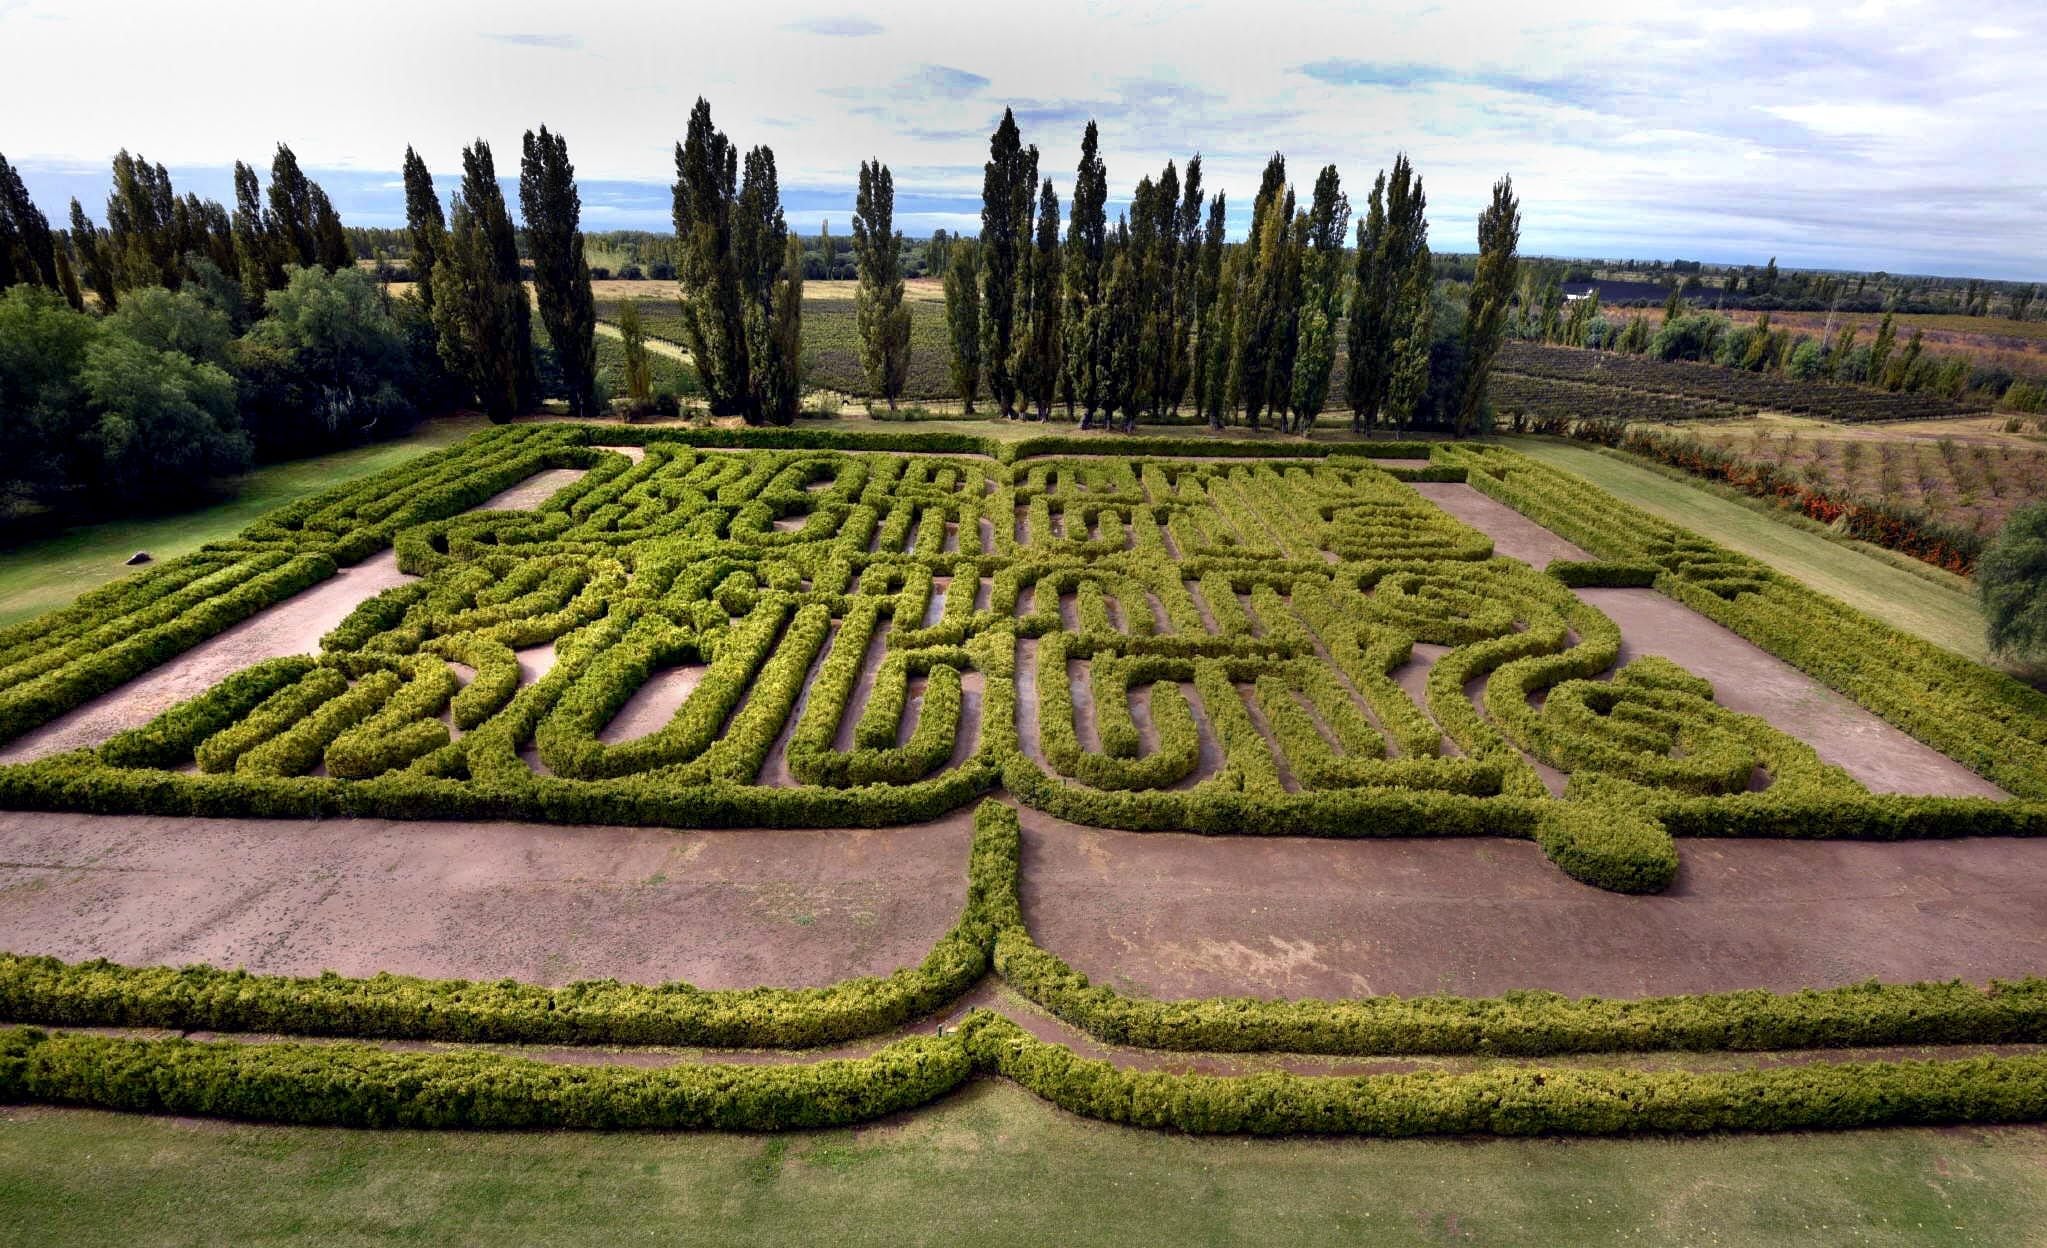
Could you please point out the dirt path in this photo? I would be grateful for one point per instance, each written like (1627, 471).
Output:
(1514, 535)
(1182, 916)
(1750, 679)
(293, 626)
(543, 904)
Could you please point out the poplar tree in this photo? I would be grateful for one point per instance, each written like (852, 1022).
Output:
(28, 251)
(1485, 320)
(1155, 235)
(1321, 286)
(1087, 231)
(1122, 328)
(1211, 337)
(553, 210)
(639, 373)
(1880, 350)
(963, 318)
(773, 325)
(142, 231)
(1394, 232)
(1009, 182)
(423, 222)
(1269, 313)
(292, 217)
(329, 238)
(878, 304)
(480, 309)
(94, 255)
(67, 280)
(1037, 364)
(256, 255)
(706, 182)
(1408, 382)
(1184, 293)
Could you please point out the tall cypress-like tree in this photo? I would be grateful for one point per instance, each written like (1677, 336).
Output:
(1395, 230)
(1880, 350)
(1087, 232)
(553, 210)
(1184, 286)
(1270, 307)
(28, 251)
(1038, 342)
(480, 311)
(142, 231)
(1122, 314)
(293, 219)
(963, 318)
(1211, 334)
(1485, 320)
(94, 254)
(773, 325)
(1009, 183)
(1414, 319)
(423, 222)
(256, 254)
(706, 186)
(1155, 244)
(878, 304)
(1321, 263)
(328, 236)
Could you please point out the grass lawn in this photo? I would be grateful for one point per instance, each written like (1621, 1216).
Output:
(1898, 596)
(993, 1165)
(48, 573)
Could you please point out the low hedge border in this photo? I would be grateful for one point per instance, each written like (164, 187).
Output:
(364, 1086)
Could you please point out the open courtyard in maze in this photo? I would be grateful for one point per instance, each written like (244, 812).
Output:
(1383, 788)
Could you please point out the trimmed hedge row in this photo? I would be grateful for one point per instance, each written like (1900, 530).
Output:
(363, 1086)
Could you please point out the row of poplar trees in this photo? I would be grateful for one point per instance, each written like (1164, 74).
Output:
(156, 237)
(1137, 320)
(468, 275)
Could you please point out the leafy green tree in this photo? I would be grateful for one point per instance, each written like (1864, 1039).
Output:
(1499, 240)
(1009, 184)
(878, 304)
(1321, 298)
(713, 325)
(1899, 371)
(175, 320)
(67, 279)
(94, 252)
(1837, 355)
(28, 251)
(1037, 366)
(426, 227)
(1122, 328)
(963, 318)
(163, 425)
(1087, 232)
(327, 365)
(1392, 236)
(561, 275)
(781, 387)
(43, 417)
(2011, 578)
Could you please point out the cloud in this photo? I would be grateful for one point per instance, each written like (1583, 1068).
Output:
(558, 43)
(837, 27)
(945, 81)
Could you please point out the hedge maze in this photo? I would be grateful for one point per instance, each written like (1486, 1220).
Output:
(1171, 636)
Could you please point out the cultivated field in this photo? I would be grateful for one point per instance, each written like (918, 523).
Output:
(1409, 789)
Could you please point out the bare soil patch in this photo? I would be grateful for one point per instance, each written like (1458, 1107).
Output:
(1173, 915)
(1514, 535)
(537, 903)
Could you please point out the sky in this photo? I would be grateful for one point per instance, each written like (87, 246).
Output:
(1862, 134)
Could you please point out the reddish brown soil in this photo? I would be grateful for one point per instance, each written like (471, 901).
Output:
(1173, 915)
(731, 909)
(1514, 535)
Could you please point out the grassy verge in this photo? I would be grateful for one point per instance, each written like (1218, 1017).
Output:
(994, 1166)
(48, 573)
(1904, 598)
